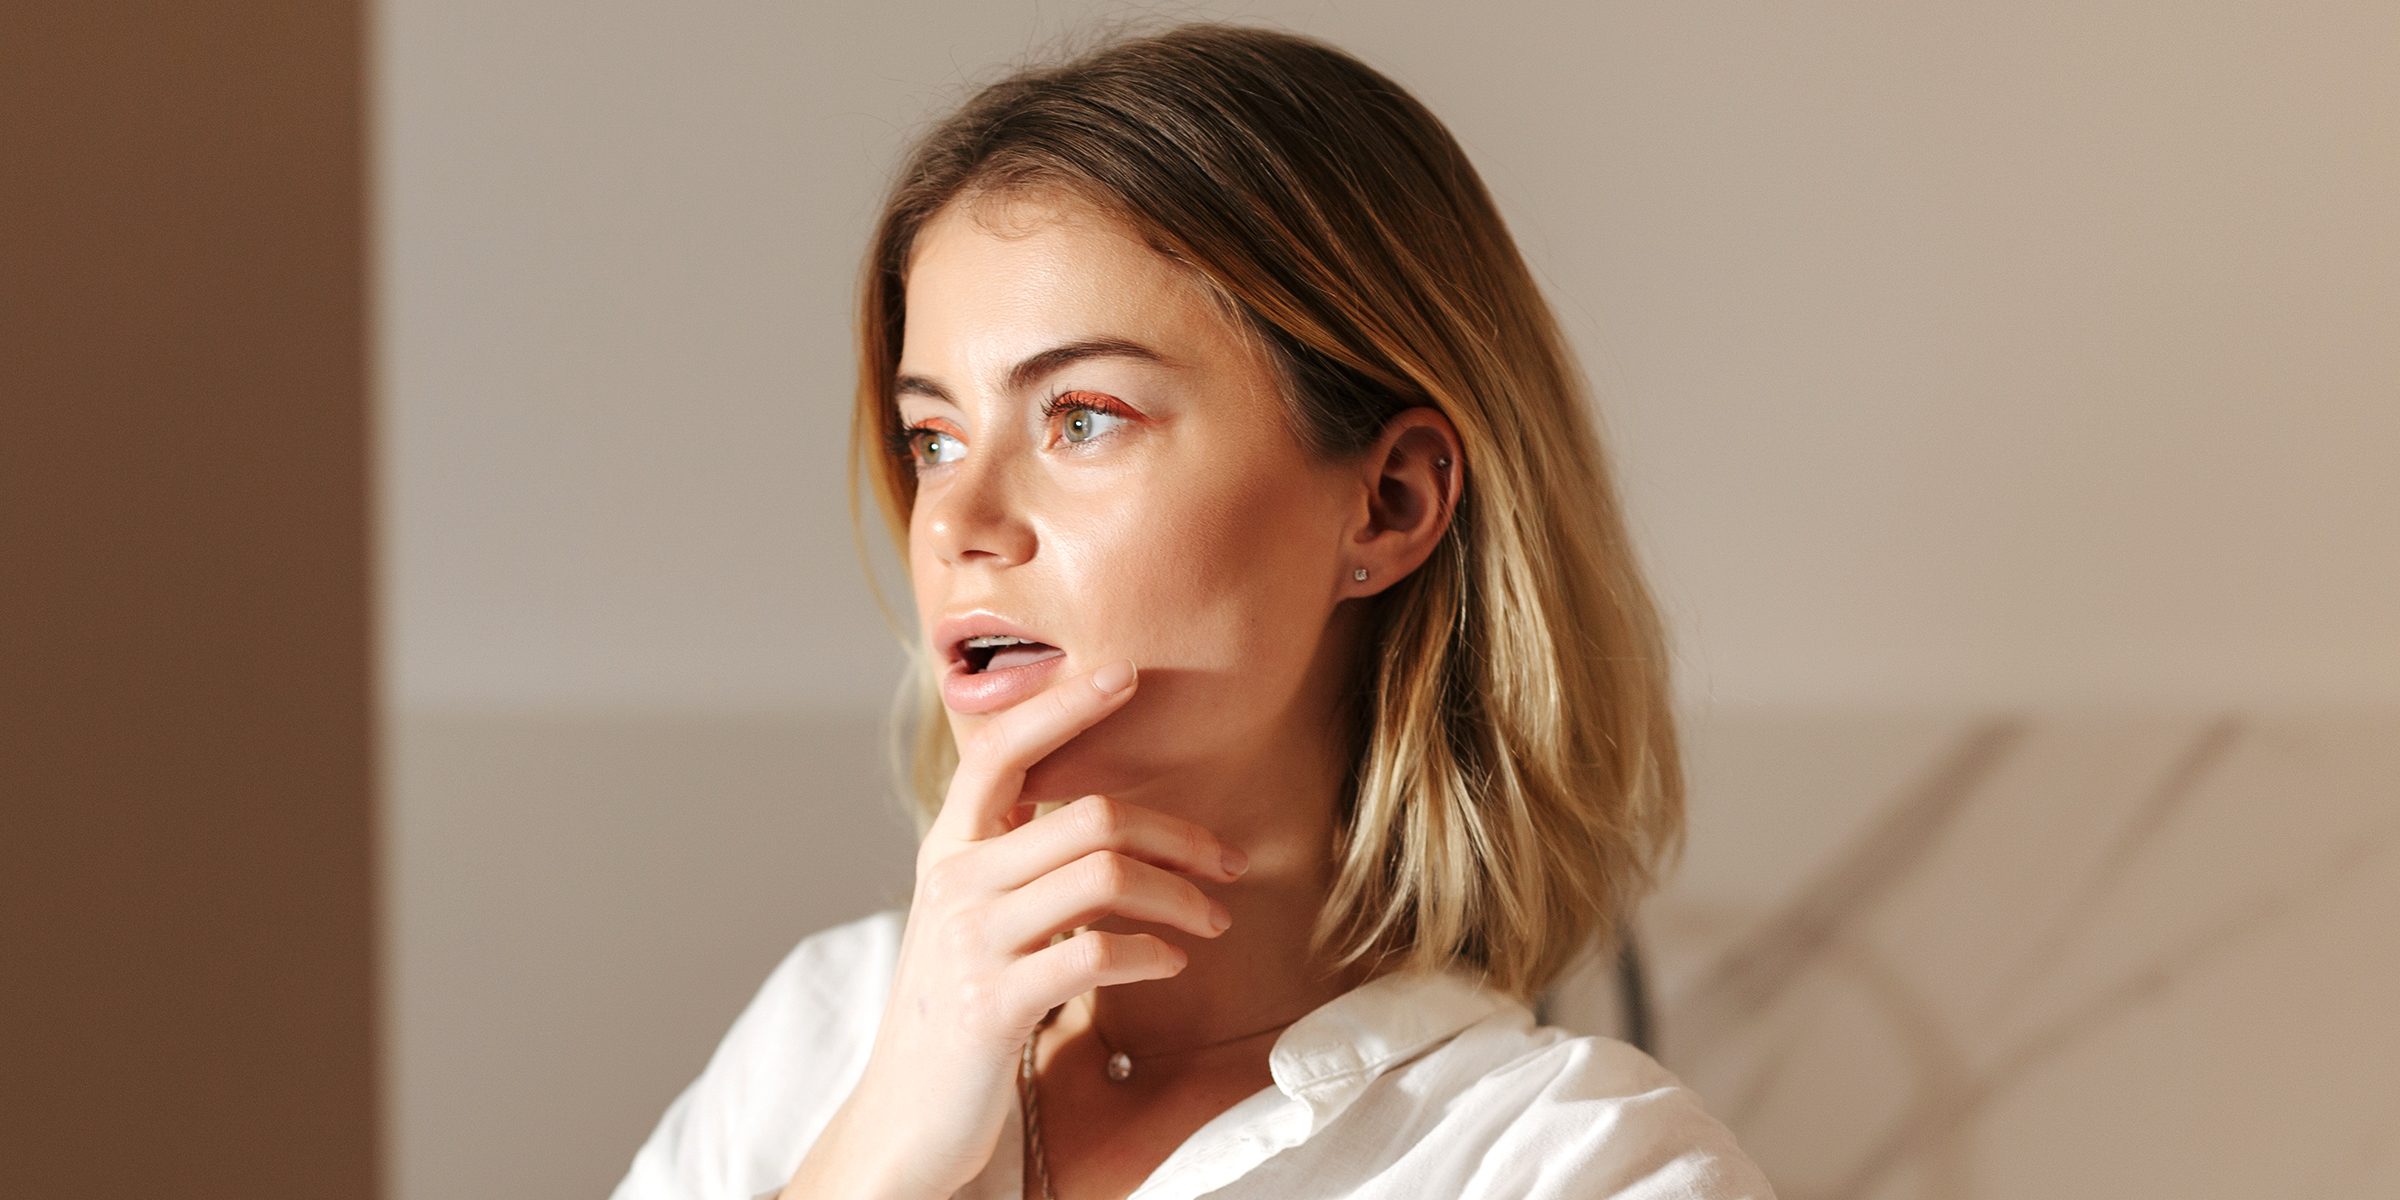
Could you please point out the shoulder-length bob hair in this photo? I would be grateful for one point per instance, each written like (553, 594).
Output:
(1516, 782)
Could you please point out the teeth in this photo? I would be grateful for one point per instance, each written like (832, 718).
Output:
(987, 643)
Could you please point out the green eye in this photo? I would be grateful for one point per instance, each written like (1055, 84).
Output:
(932, 447)
(1080, 425)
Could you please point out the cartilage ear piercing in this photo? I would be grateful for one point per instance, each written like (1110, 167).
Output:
(1442, 463)
(1360, 574)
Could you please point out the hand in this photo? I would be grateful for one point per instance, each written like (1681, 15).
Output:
(977, 972)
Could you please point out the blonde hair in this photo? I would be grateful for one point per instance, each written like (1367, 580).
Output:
(1517, 783)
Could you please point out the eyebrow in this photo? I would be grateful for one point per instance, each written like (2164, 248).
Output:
(1045, 363)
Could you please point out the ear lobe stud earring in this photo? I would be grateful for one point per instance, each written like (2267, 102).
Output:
(1360, 574)
(1442, 463)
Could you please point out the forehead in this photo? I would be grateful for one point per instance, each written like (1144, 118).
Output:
(995, 279)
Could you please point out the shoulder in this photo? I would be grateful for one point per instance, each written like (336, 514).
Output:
(1532, 1111)
(826, 996)
(834, 971)
(1589, 1116)
(776, 1078)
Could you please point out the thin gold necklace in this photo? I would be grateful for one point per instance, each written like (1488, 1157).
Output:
(1120, 1064)
(1120, 1069)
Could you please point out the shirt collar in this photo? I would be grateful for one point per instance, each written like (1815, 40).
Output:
(1321, 1064)
(1329, 1056)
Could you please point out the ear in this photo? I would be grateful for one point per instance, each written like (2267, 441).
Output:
(1410, 478)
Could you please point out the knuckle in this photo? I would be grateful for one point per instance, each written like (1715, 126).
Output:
(1102, 819)
(980, 995)
(964, 934)
(1110, 872)
(939, 881)
(1202, 845)
(1098, 953)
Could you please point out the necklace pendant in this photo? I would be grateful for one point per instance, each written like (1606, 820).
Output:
(1120, 1067)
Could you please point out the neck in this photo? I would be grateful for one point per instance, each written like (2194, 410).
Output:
(1277, 802)
(1261, 970)
(1259, 973)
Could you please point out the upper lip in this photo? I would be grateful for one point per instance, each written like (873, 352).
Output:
(950, 634)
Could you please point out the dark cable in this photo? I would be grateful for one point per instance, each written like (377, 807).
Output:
(1633, 992)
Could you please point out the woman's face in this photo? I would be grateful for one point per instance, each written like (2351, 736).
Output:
(1106, 471)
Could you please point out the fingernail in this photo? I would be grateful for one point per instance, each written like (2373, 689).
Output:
(1236, 862)
(1115, 677)
(1220, 916)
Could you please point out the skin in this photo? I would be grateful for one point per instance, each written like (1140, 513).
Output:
(1194, 564)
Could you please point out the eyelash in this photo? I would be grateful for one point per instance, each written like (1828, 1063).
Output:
(902, 443)
(1067, 402)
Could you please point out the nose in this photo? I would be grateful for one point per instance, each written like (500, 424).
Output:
(976, 518)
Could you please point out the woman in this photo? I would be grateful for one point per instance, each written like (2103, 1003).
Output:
(1294, 710)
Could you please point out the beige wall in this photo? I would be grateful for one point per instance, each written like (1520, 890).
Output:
(2038, 351)
(1957, 356)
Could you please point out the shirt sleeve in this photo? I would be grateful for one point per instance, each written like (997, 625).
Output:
(740, 1129)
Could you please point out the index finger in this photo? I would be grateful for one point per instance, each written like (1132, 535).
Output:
(992, 763)
(1101, 823)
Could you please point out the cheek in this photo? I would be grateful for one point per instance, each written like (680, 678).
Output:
(1223, 594)
(1209, 571)
(923, 571)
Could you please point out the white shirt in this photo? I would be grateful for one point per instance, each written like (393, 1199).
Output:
(1409, 1086)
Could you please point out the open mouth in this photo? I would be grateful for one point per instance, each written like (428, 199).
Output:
(999, 652)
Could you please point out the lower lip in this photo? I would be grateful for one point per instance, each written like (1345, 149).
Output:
(990, 691)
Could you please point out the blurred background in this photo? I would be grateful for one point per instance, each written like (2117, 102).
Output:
(2007, 400)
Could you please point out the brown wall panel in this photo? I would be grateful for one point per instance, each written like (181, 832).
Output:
(186, 809)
